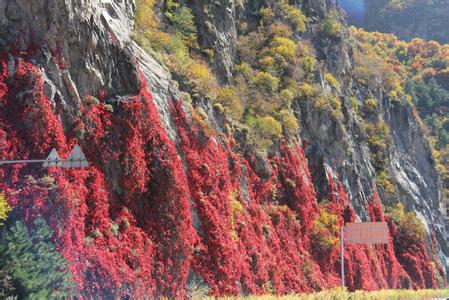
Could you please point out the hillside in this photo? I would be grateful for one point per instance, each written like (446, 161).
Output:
(228, 142)
(407, 19)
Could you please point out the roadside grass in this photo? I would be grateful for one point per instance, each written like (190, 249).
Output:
(338, 294)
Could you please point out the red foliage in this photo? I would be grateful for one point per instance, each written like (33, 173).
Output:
(141, 218)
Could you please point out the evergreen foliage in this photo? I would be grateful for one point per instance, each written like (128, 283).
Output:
(37, 269)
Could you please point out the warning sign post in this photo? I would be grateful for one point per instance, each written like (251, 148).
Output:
(366, 233)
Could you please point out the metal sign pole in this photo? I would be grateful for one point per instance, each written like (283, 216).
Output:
(342, 243)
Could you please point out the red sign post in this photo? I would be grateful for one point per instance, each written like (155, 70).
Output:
(367, 233)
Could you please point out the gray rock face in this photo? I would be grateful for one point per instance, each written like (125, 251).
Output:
(217, 31)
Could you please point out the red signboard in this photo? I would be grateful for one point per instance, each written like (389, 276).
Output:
(367, 233)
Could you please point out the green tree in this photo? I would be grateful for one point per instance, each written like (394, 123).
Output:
(37, 269)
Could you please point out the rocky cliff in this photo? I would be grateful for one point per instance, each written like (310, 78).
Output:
(178, 199)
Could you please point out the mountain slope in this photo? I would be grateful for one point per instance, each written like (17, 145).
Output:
(240, 190)
(406, 19)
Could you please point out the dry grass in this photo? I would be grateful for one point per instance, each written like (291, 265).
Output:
(338, 294)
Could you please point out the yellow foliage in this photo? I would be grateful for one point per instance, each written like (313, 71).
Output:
(408, 224)
(370, 105)
(5, 208)
(354, 104)
(325, 230)
(266, 81)
(307, 90)
(145, 18)
(279, 29)
(297, 18)
(230, 100)
(199, 73)
(267, 62)
(308, 64)
(289, 121)
(332, 80)
(267, 15)
(287, 97)
(268, 127)
(236, 207)
(384, 181)
(244, 69)
(283, 46)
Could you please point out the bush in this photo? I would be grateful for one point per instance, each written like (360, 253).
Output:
(267, 15)
(408, 224)
(145, 18)
(307, 90)
(279, 29)
(354, 105)
(384, 182)
(325, 230)
(244, 69)
(284, 47)
(5, 208)
(199, 73)
(230, 100)
(331, 25)
(333, 82)
(182, 21)
(289, 122)
(298, 19)
(264, 130)
(370, 105)
(287, 97)
(268, 127)
(308, 64)
(266, 81)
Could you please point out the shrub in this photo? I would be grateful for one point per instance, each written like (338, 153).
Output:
(198, 72)
(383, 180)
(284, 47)
(298, 19)
(307, 90)
(267, 15)
(145, 18)
(287, 97)
(244, 69)
(333, 82)
(331, 26)
(408, 224)
(5, 208)
(354, 104)
(370, 105)
(289, 122)
(182, 21)
(267, 63)
(230, 100)
(279, 29)
(266, 81)
(308, 64)
(264, 130)
(268, 127)
(324, 232)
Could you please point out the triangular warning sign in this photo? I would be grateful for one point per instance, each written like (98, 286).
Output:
(53, 159)
(77, 159)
